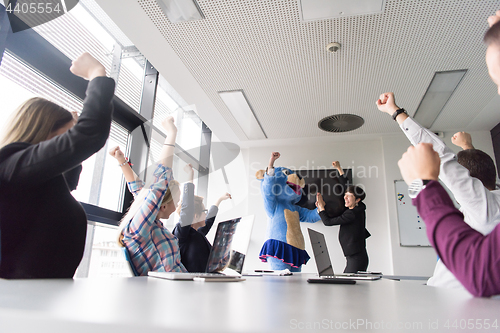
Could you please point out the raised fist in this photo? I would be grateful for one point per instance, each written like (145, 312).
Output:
(87, 67)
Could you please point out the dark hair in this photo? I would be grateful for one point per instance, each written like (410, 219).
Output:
(357, 191)
(492, 36)
(480, 166)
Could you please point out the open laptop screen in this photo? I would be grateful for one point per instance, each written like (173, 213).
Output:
(220, 256)
(230, 246)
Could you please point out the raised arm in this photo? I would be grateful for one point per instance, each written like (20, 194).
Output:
(342, 177)
(387, 104)
(494, 18)
(223, 197)
(128, 173)
(145, 208)
(167, 151)
(134, 184)
(308, 215)
(346, 217)
(47, 159)
(337, 166)
(462, 140)
(212, 214)
(186, 213)
(270, 166)
(268, 183)
(477, 202)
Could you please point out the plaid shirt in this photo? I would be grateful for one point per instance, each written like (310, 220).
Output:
(151, 246)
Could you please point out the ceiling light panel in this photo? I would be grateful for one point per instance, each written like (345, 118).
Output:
(311, 10)
(439, 92)
(180, 10)
(241, 110)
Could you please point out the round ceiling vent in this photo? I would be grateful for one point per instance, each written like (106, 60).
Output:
(341, 123)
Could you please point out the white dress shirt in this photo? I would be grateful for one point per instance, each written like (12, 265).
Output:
(480, 206)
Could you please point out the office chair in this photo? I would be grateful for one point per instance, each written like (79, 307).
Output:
(129, 260)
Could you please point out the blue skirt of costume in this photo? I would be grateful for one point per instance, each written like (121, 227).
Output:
(285, 252)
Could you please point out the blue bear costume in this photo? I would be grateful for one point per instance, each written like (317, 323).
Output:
(281, 192)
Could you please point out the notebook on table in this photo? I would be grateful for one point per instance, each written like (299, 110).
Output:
(227, 255)
(324, 264)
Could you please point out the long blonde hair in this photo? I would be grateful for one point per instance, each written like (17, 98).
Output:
(173, 186)
(34, 121)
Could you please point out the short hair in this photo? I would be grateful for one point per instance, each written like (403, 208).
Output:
(198, 205)
(34, 121)
(173, 186)
(492, 35)
(480, 166)
(357, 191)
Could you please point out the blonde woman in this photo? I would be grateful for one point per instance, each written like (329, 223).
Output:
(43, 228)
(150, 245)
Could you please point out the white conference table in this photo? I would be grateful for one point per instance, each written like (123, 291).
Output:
(259, 304)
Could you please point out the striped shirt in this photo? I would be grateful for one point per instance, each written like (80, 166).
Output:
(150, 245)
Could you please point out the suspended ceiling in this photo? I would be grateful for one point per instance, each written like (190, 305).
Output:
(292, 82)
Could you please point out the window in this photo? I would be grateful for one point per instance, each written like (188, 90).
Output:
(83, 33)
(107, 259)
(19, 82)
(168, 103)
(87, 28)
(101, 181)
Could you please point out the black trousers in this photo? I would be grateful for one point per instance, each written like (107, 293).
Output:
(357, 262)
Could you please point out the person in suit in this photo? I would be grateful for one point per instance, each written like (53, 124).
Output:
(194, 224)
(352, 233)
(43, 228)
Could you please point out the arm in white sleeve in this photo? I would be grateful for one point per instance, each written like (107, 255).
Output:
(479, 204)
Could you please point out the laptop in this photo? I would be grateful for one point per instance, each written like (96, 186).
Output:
(227, 255)
(323, 263)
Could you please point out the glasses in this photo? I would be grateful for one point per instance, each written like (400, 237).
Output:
(205, 211)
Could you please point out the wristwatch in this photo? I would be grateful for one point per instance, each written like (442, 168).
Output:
(416, 186)
(398, 112)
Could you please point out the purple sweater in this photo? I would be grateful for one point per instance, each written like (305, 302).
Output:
(474, 259)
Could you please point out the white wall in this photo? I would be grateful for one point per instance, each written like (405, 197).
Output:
(418, 261)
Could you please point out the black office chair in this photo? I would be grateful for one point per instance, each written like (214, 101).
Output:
(129, 260)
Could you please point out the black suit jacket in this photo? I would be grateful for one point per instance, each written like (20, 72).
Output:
(43, 228)
(194, 245)
(352, 233)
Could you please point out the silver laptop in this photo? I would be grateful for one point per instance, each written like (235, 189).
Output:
(323, 263)
(227, 255)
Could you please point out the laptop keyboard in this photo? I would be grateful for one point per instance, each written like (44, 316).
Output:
(337, 276)
(204, 274)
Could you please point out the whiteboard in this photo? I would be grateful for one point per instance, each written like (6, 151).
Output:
(412, 231)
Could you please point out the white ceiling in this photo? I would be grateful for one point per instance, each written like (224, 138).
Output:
(280, 61)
